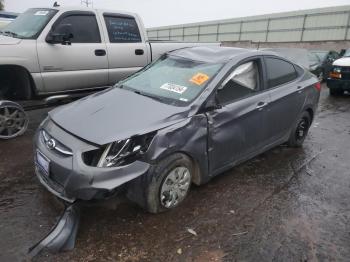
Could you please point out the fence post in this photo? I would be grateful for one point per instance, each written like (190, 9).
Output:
(347, 28)
(303, 28)
(267, 29)
(240, 31)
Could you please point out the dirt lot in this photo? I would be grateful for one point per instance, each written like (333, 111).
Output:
(285, 205)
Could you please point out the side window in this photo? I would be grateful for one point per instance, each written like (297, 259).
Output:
(279, 72)
(122, 29)
(242, 82)
(83, 27)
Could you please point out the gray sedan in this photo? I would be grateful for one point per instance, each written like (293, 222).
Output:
(183, 119)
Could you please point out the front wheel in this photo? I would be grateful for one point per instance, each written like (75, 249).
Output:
(300, 130)
(166, 186)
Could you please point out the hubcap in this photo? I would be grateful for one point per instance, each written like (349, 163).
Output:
(175, 187)
(13, 121)
(301, 129)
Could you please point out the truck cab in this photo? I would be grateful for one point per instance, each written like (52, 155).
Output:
(52, 50)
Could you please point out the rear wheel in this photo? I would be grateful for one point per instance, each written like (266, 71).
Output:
(300, 130)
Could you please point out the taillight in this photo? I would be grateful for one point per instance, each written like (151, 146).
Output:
(318, 86)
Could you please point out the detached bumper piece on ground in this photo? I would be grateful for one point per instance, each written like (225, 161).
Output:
(62, 236)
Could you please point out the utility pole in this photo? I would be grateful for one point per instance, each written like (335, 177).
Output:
(87, 2)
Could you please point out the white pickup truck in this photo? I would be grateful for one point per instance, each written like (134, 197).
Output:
(55, 50)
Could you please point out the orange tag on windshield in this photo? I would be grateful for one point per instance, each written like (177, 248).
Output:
(199, 79)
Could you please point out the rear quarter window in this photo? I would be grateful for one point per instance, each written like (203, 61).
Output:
(122, 29)
(279, 72)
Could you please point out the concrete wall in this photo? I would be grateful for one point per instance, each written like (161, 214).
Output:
(331, 23)
(323, 45)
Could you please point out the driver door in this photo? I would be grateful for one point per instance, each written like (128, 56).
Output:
(80, 64)
(237, 130)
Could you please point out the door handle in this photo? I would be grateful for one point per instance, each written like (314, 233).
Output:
(299, 88)
(139, 52)
(100, 52)
(261, 105)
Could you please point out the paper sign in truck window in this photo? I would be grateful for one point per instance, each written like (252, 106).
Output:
(41, 13)
(174, 88)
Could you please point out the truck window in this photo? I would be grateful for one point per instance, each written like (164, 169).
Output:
(122, 29)
(84, 28)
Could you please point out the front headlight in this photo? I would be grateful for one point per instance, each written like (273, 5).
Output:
(337, 69)
(126, 151)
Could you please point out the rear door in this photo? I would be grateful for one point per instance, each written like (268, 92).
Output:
(287, 95)
(237, 129)
(126, 46)
(79, 65)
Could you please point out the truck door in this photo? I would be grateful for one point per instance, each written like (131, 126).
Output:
(126, 46)
(79, 63)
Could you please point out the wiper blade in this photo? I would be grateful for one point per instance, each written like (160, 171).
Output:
(148, 95)
(9, 33)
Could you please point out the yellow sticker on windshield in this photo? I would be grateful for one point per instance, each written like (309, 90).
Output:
(199, 78)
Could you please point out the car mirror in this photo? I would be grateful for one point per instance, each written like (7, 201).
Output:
(62, 34)
(213, 104)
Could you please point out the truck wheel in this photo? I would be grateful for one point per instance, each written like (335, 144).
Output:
(15, 83)
(300, 130)
(13, 120)
(335, 91)
(165, 186)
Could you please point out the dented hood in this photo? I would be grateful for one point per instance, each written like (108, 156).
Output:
(115, 114)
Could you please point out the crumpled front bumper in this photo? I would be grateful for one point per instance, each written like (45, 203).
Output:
(69, 178)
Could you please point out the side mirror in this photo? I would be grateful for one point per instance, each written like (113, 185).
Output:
(212, 104)
(62, 34)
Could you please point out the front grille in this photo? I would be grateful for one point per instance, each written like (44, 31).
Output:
(54, 145)
(51, 183)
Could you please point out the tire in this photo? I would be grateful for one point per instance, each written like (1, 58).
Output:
(335, 91)
(14, 84)
(300, 130)
(151, 190)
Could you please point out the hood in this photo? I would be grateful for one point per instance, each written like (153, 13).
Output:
(345, 61)
(6, 40)
(115, 114)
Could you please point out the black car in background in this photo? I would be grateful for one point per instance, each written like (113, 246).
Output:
(321, 62)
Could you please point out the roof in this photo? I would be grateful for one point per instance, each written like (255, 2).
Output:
(210, 54)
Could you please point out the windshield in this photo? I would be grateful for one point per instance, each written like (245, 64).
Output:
(172, 80)
(347, 53)
(29, 24)
(321, 54)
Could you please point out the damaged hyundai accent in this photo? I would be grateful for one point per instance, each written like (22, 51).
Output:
(183, 119)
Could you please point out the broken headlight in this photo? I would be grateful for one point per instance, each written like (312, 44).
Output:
(126, 151)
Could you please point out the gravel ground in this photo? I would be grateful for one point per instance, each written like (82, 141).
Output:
(285, 205)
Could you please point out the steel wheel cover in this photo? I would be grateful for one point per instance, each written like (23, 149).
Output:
(175, 186)
(13, 120)
(301, 130)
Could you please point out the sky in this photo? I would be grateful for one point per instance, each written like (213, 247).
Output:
(171, 12)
